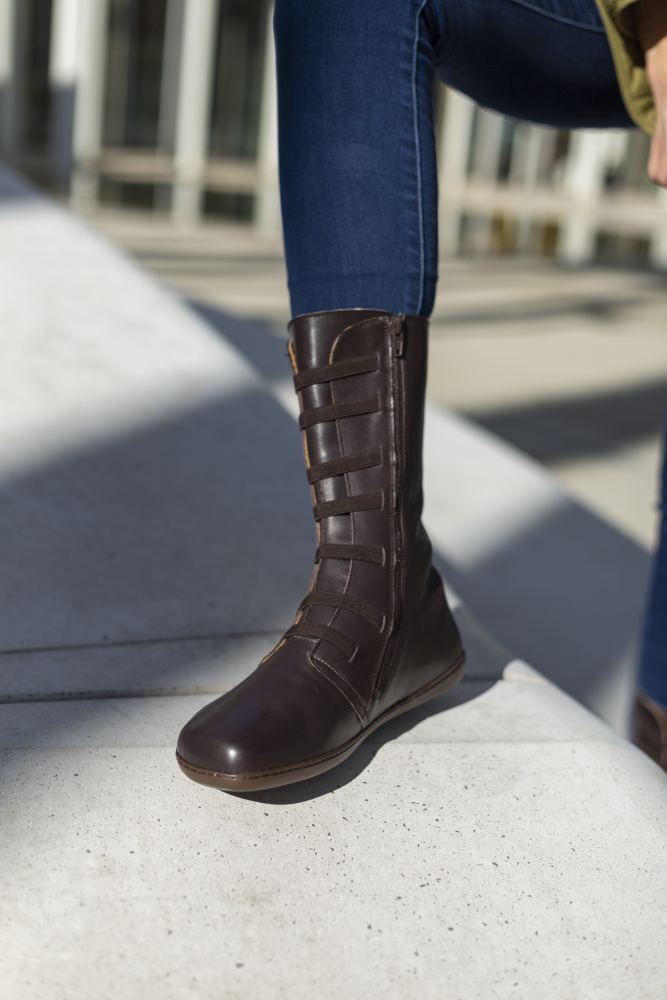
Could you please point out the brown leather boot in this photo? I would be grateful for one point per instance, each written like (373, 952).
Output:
(374, 636)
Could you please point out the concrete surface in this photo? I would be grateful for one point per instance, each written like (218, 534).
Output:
(508, 847)
(502, 842)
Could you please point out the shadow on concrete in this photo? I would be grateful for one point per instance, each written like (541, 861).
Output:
(588, 424)
(357, 763)
(565, 306)
(13, 189)
(566, 595)
(196, 526)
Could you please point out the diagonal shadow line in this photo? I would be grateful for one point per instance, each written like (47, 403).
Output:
(595, 423)
(164, 518)
(547, 308)
(12, 188)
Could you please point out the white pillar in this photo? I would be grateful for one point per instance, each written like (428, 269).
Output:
(528, 156)
(454, 136)
(658, 252)
(582, 181)
(171, 72)
(76, 77)
(193, 106)
(171, 62)
(62, 81)
(7, 71)
(267, 202)
(89, 105)
(486, 153)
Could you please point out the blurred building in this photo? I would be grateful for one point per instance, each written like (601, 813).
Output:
(168, 106)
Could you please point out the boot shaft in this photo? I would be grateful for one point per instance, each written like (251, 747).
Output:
(360, 376)
(398, 346)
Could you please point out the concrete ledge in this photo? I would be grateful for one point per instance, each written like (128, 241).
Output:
(510, 847)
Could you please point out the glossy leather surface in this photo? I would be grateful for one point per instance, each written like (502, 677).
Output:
(382, 626)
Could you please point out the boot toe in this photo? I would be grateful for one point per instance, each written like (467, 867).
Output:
(204, 746)
(274, 722)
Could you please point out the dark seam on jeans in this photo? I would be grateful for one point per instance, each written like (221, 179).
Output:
(417, 135)
(597, 29)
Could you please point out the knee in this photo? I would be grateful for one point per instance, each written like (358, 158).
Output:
(291, 19)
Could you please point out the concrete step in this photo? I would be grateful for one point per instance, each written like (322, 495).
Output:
(509, 845)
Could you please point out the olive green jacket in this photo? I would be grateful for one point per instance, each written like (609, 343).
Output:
(618, 18)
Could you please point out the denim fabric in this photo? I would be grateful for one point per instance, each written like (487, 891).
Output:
(653, 662)
(357, 154)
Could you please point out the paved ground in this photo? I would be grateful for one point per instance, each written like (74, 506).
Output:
(500, 843)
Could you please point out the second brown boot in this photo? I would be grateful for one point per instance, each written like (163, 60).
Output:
(373, 636)
(650, 725)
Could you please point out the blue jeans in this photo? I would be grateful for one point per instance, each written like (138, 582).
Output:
(357, 156)
(653, 662)
(356, 143)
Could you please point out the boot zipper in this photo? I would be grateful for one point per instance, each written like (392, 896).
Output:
(397, 347)
(399, 336)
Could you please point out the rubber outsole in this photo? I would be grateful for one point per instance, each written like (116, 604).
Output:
(259, 782)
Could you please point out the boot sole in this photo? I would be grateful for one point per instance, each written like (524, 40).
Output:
(258, 782)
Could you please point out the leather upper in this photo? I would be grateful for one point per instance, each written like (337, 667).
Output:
(374, 625)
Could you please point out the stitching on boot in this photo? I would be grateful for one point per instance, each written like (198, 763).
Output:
(370, 321)
(319, 663)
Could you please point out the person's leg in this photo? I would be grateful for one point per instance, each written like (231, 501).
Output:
(357, 154)
(357, 157)
(374, 635)
(546, 61)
